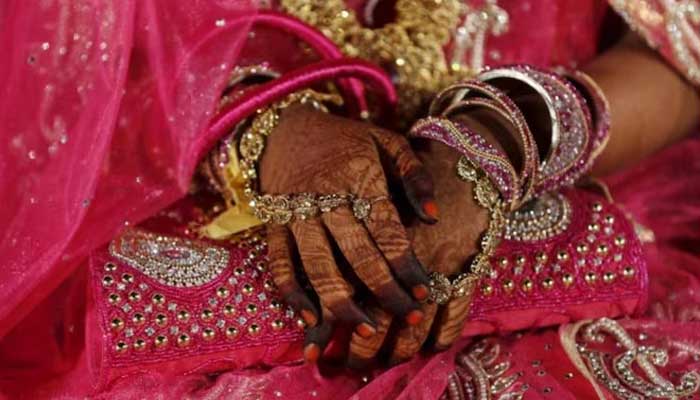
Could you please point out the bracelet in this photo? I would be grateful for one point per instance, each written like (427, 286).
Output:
(477, 158)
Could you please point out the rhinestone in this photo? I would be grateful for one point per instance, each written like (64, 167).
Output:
(183, 340)
(562, 255)
(143, 286)
(238, 298)
(149, 331)
(231, 332)
(262, 297)
(213, 302)
(254, 329)
(222, 292)
(608, 277)
(139, 344)
(158, 299)
(126, 307)
(134, 296)
(229, 310)
(247, 289)
(127, 278)
(220, 323)
(114, 298)
(232, 281)
(138, 319)
(117, 324)
(208, 334)
(567, 280)
(620, 241)
(174, 330)
(194, 328)
(590, 277)
(121, 286)
(148, 309)
(207, 314)
(527, 285)
(251, 309)
(508, 285)
(129, 332)
(487, 289)
(107, 280)
(110, 266)
(617, 257)
(242, 320)
(277, 324)
(548, 283)
(183, 316)
(172, 307)
(160, 341)
(121, 347)
(161, 319)
(628, 272)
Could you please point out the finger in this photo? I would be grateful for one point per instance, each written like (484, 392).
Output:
(325, 277)
(364, 350)
(450, 321)
(415, 178)
(369, 264)
(317, 338)
(409, 339)
(390, 236)
(282, 270)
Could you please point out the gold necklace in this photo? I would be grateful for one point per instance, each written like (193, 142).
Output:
(413, 45)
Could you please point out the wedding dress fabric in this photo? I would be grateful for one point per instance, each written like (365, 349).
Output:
(102, 105)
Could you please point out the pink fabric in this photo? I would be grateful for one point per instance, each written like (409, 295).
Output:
(102, 104)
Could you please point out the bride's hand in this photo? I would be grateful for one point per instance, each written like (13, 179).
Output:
(311, 151)
(444, 247)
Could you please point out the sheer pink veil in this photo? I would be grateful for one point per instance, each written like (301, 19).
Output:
(101, 102)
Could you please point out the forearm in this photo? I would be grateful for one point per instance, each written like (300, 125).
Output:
(651, 105)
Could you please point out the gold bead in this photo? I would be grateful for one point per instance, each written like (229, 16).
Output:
(548, 283)
(609, 219)
(567, 280)
(251, 309)
(161, 319)
(503, 262)
(602, 249)
(541, 257)
(582, 248)
(158, 299)
(231, 332)
(207, 314)
(254, 329)
(229, 310)
(260, 267)
(508, 285)
(183, 340)
(301, 324)
(620, 241)
(208, 334)
(487, 289)
(138, 319)
(114, 298)
(520, 260)
(222, 292)
(110, 266)
(134, 296)
(107, 280)
(139, 344)
(590, 277)
(527, 285)
(239, 271)
(183, 316)
(277, 324)
(248, 289)
(608, 277)
(593, 227)
(127, 278)
(121, 347)
(597, 207)
(160, 341)
(562, 255)
(275, 305)
(117, 324)
(628, 272)
(269, 285)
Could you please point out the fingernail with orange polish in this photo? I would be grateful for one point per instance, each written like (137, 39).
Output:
(430, 208)
(365, 330)
(414, 317)
(309, 318)
(312, 352)
(420, 292)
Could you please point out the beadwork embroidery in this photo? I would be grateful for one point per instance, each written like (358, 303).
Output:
(541, 219)
(170, 260)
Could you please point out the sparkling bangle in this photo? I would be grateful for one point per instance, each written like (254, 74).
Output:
(477, 158)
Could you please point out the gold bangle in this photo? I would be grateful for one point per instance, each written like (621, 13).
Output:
(444, 289)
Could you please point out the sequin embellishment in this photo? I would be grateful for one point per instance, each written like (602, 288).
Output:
(170, 260)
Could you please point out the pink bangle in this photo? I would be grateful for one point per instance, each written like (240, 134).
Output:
(571, 143)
